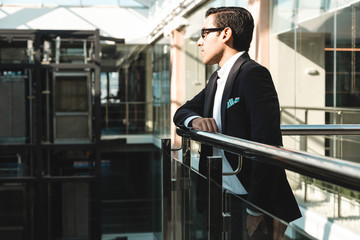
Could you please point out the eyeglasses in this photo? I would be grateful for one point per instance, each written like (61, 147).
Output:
(206, 31)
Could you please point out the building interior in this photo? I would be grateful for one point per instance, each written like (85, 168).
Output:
(88, 90)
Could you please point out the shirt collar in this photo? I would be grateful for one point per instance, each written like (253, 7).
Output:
(224, 71)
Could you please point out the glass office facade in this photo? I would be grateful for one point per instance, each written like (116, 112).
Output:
(314, 60)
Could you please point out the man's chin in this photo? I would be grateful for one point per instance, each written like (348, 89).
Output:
(208, 62)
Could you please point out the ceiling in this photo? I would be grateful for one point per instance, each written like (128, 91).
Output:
(80, 3)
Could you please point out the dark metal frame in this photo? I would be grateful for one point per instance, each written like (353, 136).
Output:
(37, 146)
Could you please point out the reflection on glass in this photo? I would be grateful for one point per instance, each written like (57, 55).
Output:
(317, 42)
(191, 214)
(130, 194)
(69, 163)
(125, 109)
(333, 209)
(70, 210)
(15, 164)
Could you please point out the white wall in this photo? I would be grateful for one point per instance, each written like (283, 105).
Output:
(296, 87)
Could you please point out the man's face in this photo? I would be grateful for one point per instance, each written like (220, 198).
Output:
(211, 44)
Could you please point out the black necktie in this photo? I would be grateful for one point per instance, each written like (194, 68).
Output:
(205, 149)
(212, 93)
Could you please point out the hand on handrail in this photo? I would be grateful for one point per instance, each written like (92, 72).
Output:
(204, 124)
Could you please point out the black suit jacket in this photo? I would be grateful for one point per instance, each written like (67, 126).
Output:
(249, 110)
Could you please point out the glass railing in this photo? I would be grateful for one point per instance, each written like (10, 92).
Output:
(338, 205)
(119, 118)
(125, 118)
(198, 207)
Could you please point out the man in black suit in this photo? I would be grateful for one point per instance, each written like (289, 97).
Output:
(240, 100)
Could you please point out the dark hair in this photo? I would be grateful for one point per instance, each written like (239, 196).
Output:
(239, 20)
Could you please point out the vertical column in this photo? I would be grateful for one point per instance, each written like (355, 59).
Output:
(186, 183)
(97, 195)
(127, 109)
(149, 95)
(166, 189)
(178, 81)
(260, 46)
(41, 223)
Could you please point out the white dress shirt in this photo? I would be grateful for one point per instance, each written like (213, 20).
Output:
(232, 182)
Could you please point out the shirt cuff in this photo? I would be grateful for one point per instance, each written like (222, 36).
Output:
(188, 120)
(256, 214)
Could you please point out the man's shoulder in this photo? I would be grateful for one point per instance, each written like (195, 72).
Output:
(251, 66)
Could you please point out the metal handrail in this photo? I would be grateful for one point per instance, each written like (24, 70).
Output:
(336, 171)
(326, 109)
(328, 129)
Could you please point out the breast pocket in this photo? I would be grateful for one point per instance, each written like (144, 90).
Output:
(232, 102)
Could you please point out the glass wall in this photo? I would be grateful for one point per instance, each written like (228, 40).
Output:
(131, 193)
(125, 101)
(317, 42)
(314, 60)
(160, 53)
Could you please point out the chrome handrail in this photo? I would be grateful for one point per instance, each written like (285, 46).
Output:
(336, 171)
(328, 129)
(326, 109)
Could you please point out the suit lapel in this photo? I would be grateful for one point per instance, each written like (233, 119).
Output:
(229, 85)
(210, 94)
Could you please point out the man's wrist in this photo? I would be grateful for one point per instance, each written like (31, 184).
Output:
(190, 123)
(188, 120)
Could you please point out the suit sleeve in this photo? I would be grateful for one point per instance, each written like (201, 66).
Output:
(262, 107)
(193, 107)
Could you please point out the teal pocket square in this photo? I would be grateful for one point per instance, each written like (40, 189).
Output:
(232, 101)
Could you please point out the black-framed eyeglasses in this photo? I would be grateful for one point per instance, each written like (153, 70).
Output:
(205, 31)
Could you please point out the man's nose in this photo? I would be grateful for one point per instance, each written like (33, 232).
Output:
(200, 41)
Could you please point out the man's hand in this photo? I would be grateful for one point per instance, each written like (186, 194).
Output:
(252, 223)
(205, 124)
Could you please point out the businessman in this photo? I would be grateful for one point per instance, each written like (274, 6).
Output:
(240, 100)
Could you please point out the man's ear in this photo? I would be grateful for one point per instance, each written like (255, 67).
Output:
(227, 34)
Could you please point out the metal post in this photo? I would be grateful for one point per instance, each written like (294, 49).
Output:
(339, 201)
(341, 138)
(226, 214)
(186, 152)
(305, 188)
(31, 97)
(85, 51)
(303, 147)
(166, 188)
(215, 198)
(185, 187)
(127, 123)
(97, 211)
(303, 139)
